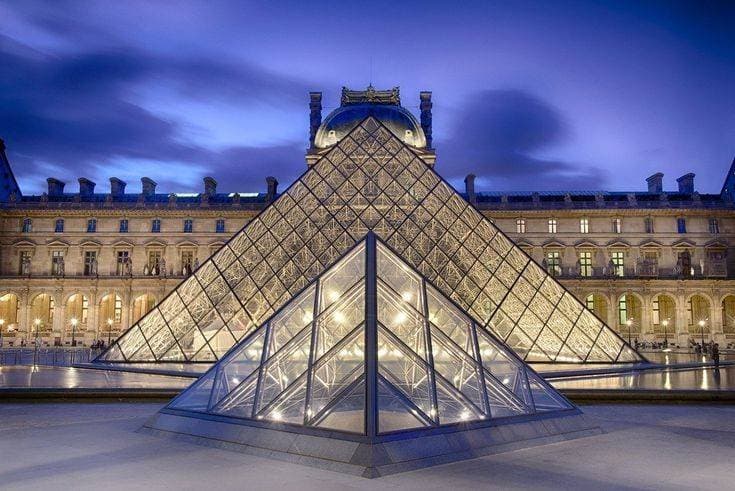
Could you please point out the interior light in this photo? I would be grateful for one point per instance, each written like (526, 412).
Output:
(432, 412)
(339, 317)
(333, 295)
(308, 317)
(235, 380)
(400, 318)
(506, 380)
(464, 415)
(407, 296)
(276, 415)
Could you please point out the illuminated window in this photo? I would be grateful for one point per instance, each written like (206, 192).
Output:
(118, 309)
(589, 302)
(585, 263)
(25, 262)
(617, 225)
(552, 225)
(656, 312)
(584, 225)
(90, 257)
(553, 262)
(121, 259)
(521, 225)
(57, 258)
(618, 260)
(623, 310)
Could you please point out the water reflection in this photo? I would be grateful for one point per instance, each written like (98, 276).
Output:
(664, 379)
(23, 376)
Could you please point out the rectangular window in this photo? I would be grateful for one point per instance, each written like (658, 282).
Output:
(589, 302)
(156, 225)
(553, 263)
(27, 225)
(617, 225)
(90, 262)
(85, 309)
(124, 226)
(521, 225)
(623, 310)
(220, 226)
(188, 225)
(92, 225)
(648, 222)
(154, 261)
(118, 309)
(584, 225)
(552, 225)
(618, 260)
(120, 260)
(585, 263)
(59, 225)
(656, 312)
(681, 225)
(714, 226)
(25, 262)
(57, 263)
(187, 262)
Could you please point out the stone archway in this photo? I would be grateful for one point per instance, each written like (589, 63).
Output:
(9, 317)
(41, 319)
(76, 318)
(598, 304)
(728, 315)
(109, 321)
(663, 317)
(629, 316)
(141, 305)
(699, 317)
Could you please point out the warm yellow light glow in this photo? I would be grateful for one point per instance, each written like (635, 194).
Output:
(400, 318)
(339, 317)
(333, 295)
(109, 322)
(276, 415)
(464, 415)
(308, 317)
(406, 296)
(73, 321)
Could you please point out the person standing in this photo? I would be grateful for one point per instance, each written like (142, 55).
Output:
(716, 355)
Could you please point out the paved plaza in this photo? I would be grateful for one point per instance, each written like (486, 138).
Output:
(96, 446)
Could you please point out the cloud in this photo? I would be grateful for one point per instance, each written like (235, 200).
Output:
(79, 114)
(497, 135)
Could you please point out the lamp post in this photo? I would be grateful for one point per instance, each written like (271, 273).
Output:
(2, 324)
(37, 323)
(73, 330)
(665, 323)
(109, 330)
(629, 323)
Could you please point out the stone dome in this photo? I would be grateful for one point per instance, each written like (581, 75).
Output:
(397, 119)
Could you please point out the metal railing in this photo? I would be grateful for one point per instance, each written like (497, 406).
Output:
(52, 356)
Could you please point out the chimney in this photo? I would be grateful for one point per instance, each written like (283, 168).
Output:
(55, 187)
(210, 186)
(86, 187)
(426, 105)
(315, 117)
(149, 186)
(656, 183)
(469, 186)
(117, 186)
(686, 183)
(272, 188)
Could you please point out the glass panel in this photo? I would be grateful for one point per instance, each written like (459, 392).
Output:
(342, 317)
(196, 397)
(502, 402)
(503, 366)
(284, 367)
(393, 412)
(399, 277)
(348, 413)
(340, 278)
(291, 320)
(446, 317)
(544, 397)
(289, 407)
(452, 406)
(402, 321)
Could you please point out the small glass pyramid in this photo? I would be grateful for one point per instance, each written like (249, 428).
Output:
(370, 347)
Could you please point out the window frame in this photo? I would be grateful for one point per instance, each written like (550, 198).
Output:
(91, 225)
(553, 225)
(584, 225)
(59, 225)
(124, 226)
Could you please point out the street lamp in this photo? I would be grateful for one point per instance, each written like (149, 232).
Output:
(665, 323)
(629, 323)
(73, 330)
(109, 330)
(2, 323)
(37, 322)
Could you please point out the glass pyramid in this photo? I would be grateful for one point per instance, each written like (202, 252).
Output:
(370, 347)
(370, 181)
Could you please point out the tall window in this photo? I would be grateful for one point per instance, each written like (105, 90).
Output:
(120, 259)
(188, 225)
(584, 225)
(92, 225)
(156, 225)
(220, 226)
(623, 310)
(90, 258)
(59, 225)
(25, 262)
(648, 222)
(618, 260)
(187, 262)
(85, 309)
(681, 225)
(520, 225)
(589, 302)
(124, 225)
(655, 312)
(617, 225)
(27, 225)
(714, 226)
(553, 263)
(57, 259)
(154, 260)
(118, 310)
(552, 225)
(585, 263)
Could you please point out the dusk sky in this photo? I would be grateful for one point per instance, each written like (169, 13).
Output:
(527, 95)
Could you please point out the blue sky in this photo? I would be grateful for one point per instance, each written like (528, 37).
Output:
(527, 95)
